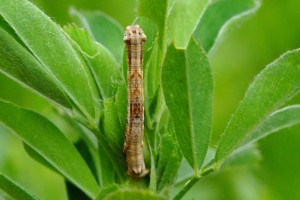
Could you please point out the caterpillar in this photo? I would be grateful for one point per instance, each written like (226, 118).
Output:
(134, 39)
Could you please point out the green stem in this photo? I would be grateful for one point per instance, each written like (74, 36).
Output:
(187, 187)
(192, 181)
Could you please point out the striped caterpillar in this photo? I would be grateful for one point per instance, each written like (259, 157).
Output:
(134, 39)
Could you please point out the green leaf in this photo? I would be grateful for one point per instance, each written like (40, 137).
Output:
(277, 83)
(45, 40)
(47, 140)
(217, 18)
(183, 17)
(121, 103)
(168, 162)
(103, 29)
(112, 127)
(102, 64)
(133, 194)
(280, 119)
(37, 157)
(107, 168)
(188, 85)
(6, 27)
(151, 76)
(13, 189)
(84, 144)
(17, 63)
(155, 10)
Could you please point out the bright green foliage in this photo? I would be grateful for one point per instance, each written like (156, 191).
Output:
(52, 50)
(47, 140)
(102, 64)
(103, 29)
(20, 64)
(13, 189)
(82, 69)
(218, 17)
(271, 89)
(183, 17)
(280, 119)
(155, 10)
(187, 83)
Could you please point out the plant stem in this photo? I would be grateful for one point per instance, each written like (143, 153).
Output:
(187, 187)
(192, 181)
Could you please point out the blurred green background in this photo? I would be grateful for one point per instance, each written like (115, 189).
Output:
(273, 30)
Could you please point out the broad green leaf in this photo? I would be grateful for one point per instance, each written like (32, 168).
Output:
(277, 83)
(188, 85)
(155, 10)
(217, 18)
(6, 27)
(103, 29)
(17, 63)
(46, 41)
(47, 140)
(37, 157)
(280, 119)
(133, 194)
(104, 67)
(183, 19)
(83, 142)
(13, 189)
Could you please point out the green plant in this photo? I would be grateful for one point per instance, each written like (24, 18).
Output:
(82, 72)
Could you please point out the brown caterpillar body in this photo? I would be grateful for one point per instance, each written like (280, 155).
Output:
(134, 38)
